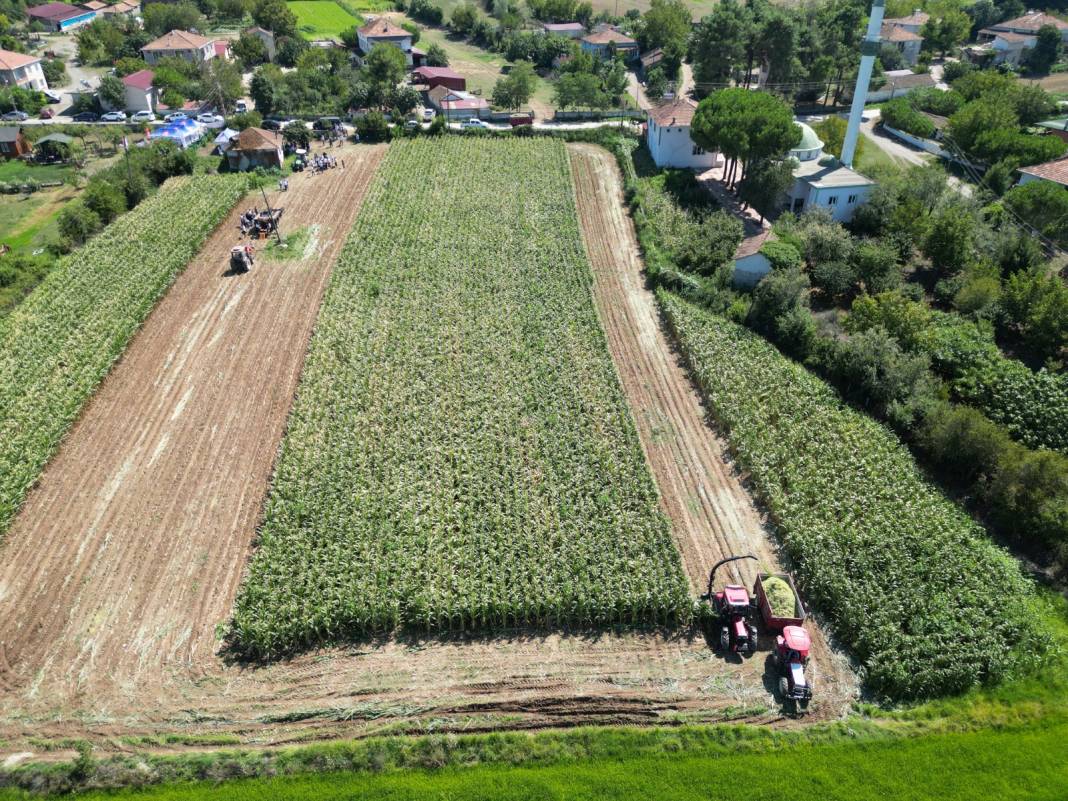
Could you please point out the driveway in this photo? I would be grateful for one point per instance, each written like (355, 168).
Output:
(892, 147)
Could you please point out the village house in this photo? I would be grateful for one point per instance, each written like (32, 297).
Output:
(19, 69)
(821, 181)
(906, 42)
(141, 95)
(1001, 47)
(191, 47)
(913, 23)
(571, 30)
(1027, 25)
(457, 105)
(267, 37)
(94, 5)
(434, 77)
(60, 17)
(897, 83)
(668, 137)
(125, 9)
(382, 31)
(13, 143)
(255, 147)
(750, 264)
(604, 44)
(1055, 172)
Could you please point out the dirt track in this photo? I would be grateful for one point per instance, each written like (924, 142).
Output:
(131, 547)
(129, 552)
(712, 514)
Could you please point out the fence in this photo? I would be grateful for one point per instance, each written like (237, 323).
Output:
(630, 113)
(930, 146)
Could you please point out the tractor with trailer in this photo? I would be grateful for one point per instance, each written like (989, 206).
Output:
(734, 611)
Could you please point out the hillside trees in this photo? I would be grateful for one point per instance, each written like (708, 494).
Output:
(667, 25)
(515, 89)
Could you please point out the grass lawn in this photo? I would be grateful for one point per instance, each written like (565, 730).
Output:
(872, 160)
(13, 171)
(322, 19)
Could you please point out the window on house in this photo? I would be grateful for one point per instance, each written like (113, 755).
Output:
(852, 199)
(832, 200)
(698, 150)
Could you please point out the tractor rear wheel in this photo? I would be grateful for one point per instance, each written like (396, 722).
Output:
(784, 688)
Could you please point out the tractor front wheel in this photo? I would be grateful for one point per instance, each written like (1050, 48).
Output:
(724, 639)
(784, 688)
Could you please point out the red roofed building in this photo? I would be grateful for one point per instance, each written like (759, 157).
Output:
(455, 105)
(59, 17)
(382, 31)
(439, 76)
(905, 41)
(191, 47)
(18, 69)
(913, 23)
(1053, 171)
(603, 44)
(572, 30)
(141, 95)
(1029, 25)
(668, 137)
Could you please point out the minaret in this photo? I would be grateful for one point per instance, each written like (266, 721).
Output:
(869, 49)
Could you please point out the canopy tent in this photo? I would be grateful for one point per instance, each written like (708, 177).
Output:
(183, 132)
(224, 137)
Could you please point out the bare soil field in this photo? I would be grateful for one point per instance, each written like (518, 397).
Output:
(129, 553)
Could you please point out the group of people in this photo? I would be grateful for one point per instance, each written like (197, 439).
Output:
(283, 184)
(334, 137)
(248, 220)
(323, 162)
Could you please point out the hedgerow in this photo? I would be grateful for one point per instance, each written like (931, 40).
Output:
(905, 578)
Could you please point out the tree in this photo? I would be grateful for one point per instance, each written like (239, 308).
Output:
(947, 28)
(780, 311)
(710, 243)
(1037, 305)
(373, 127)
(385, 66)
(77, 222)
(296, 135)
(950, 242)
(832, 132)
(516, 88)
(250, 51)
(264, 87)
(1043, 205)
(112, 92)
(403, 101)
(288, 49)
(1046, 51)
(655, 84)
(104, 199)
(876, 266)
(275, 16)
(667, 26)
(615, 80)
(765, 183)
(463, 19)
(744, 126)
(436, 56)
(55, 72)
(718, 45)
(579, 90)
(891, 58)
(221, 82)
(163, 17)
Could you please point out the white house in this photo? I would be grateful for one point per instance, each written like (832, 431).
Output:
(267, 37)
(18, 69)
(602, 44)
(141, 95)
(382, 31)
(1002, 47)
(1055, 171)
(191, 47)
(1028, 25)
(908, 43)
(668, 137)
(821, 181)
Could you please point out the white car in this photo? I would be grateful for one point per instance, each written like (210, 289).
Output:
(176, 116)
(143, 116)
(211, 120)
(474, 122)
(240, 107)
(114, 116)
(429, 114)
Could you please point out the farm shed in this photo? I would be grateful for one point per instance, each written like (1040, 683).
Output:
(253, 148)
(54, 147)
(456, 105)
(572, 30)
(750, 265)
(439, 76)
(13, 143)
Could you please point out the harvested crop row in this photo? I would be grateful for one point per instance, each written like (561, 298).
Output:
(927, 603)
(62, 340)
(460, 453)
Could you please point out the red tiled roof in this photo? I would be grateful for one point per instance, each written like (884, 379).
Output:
(753, 244)
(258, 139)
(383, 27)
(673, 112)
(142, 79)
(1031, 21)
(915, 18)
(1016, 38)
(609, 37)
(178, 40)
(55, 11)
(436, 72)
(895, 33)
(1056, 171)
(10, 60)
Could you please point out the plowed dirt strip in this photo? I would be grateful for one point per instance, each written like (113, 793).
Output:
(711, 512)
(129, 551)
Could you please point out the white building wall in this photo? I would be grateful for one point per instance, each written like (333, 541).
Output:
(29, 77)
(840, 201)
(750, 269)
(671, 146)
(139, 99)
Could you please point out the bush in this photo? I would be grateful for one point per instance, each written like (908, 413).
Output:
(1029, 494)
(1037, 305)
(77, 222)
(962, 442)
(710, 243)
(901, 115)
(373, 127)
(876, 266)
(834, 278)
(782, 255)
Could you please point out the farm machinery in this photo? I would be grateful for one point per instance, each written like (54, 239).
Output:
(782, 613)
(736, 632)
(240, 258)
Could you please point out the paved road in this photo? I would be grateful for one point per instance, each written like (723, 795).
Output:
(894, 148)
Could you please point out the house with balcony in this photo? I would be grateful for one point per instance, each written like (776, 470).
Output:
(19, 69)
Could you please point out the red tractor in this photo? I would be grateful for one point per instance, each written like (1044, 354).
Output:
(791, 657)
(734, 610)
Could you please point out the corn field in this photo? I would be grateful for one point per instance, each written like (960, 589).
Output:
(460, 454)
(925, 601)
(59, 343)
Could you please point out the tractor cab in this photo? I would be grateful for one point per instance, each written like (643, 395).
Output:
(791, 656)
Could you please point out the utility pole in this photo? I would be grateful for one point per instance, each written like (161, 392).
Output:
(270, 211)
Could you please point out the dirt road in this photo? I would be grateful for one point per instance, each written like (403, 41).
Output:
(129, 551)
(712, 514)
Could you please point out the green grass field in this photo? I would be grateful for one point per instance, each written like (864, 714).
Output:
(322, 19)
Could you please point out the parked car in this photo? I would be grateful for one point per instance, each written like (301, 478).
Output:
(114, 116)
(240, 107)
(275, 123)
(411, 125)
(211, 120)
(15, 116)
(176, 116)
(53, 97)
(47, 113)
(474, 122)
(143, 116)
(86, 116)
(429, 114)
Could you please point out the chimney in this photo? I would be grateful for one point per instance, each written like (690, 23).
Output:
(869, 49)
